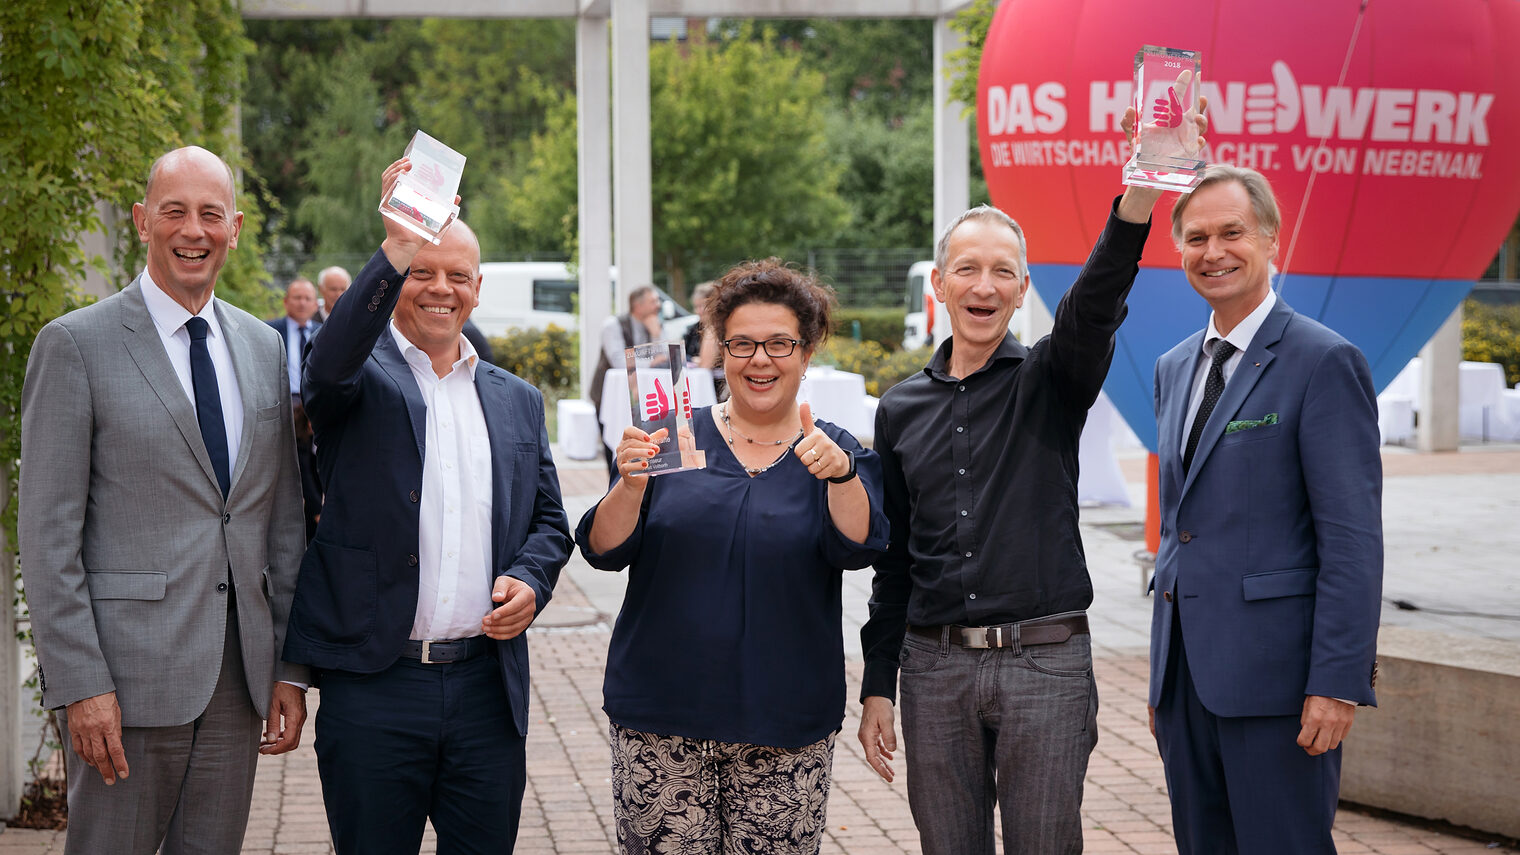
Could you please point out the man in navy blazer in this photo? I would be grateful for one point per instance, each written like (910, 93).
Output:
(441, 538)
(296, 328)
(1269, 577)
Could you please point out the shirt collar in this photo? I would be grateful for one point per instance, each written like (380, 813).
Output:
(1244, 331)
(939, 364)
(417, 358)
(168, 315)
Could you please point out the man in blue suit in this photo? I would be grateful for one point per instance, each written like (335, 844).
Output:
(296, 328)
(1269, 576)
(441, 538)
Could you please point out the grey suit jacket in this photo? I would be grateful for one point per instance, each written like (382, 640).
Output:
(125, 537)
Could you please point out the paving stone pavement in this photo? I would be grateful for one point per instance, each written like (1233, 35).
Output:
(568, 805)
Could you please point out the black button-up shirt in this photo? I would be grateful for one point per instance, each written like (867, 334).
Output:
(981, 472)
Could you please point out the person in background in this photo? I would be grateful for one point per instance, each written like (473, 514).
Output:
(725, 677)
(639, 325)
(296, 330)
(332, 282)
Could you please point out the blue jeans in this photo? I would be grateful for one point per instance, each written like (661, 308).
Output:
(1015, 722)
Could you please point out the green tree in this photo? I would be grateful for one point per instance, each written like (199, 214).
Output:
(484, 88)
(888, 178)
(740, 160)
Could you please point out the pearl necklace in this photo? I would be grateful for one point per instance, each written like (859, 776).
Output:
(754, 470)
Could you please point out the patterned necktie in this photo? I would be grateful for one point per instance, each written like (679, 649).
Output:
(1212, 389)
(208, 402)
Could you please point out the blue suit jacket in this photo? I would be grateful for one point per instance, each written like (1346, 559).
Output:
(1272, 544)
(356, 598)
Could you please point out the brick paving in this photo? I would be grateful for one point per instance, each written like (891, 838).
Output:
(568, 805)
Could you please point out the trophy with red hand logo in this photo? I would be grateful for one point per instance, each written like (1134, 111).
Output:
(660, 395)
(423, 198)
(1167, 148)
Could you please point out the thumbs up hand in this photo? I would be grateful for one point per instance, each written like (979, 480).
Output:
(821, 455)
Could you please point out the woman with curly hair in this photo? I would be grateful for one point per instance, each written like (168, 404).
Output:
(725, 677)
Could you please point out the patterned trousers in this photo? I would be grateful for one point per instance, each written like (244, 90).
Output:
(679, 796)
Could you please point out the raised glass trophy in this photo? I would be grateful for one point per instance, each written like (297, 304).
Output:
(660, 394)
(1168, 152)
(423, 198)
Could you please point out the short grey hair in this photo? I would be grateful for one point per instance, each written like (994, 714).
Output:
(986, 214)
(1258, 190)
(638, 294)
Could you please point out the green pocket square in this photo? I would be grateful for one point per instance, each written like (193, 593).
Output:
(1247, 424)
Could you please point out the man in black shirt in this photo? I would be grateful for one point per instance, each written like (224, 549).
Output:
(981, 596)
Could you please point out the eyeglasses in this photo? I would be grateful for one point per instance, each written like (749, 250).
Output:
(775, 348)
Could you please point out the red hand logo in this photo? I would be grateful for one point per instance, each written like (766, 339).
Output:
(1168, 110)
(686, 399)
(655, 405)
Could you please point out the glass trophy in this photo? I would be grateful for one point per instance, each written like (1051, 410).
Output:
(660, 395)
(423, 198)
(1167, 148)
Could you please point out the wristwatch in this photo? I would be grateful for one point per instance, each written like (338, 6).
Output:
(848, 476)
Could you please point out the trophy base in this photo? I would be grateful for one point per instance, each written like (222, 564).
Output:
(424, 216)
(1180, 176)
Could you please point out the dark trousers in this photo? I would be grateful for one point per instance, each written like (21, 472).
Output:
(1240, 785)
(418, 742)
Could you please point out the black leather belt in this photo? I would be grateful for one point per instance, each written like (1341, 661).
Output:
(1046, 630)
(446, 652)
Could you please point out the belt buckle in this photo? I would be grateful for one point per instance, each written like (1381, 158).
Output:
(427, 653)
(974, 637)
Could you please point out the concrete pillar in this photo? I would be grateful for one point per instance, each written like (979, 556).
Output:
(594, 193)
(632, 213)
(1440, 426)
(952, 158)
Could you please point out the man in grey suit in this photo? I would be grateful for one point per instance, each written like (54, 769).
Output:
(160, 529)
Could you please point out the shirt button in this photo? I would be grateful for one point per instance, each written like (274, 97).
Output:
(961, 387)
(968, 555)
(960, 430)
(963, 513)
(973, 596)
(962, 471)
(451, 555)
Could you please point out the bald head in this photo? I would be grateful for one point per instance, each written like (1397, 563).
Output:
(190, 156)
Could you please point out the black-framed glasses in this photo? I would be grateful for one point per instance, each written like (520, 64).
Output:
(775, 348)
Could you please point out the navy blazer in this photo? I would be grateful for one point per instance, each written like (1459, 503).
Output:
(356, 598)
(1272, 544)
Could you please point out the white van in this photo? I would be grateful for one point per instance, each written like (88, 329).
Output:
(534, 294)
(924, 312)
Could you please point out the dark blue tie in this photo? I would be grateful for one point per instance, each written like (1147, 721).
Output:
(208, 401)
(1213, 387)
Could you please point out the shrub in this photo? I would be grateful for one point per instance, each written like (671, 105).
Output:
(1492, 334)
(881, 368)
(882, 326)
(548, 358)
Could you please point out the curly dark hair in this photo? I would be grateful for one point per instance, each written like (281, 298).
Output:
(774, 281)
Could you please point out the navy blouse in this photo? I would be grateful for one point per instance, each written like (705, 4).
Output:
(731, 627)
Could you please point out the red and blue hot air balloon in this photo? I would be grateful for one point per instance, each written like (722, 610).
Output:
(1390, 130)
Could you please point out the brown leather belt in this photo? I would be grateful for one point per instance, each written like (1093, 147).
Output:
(1046, 630)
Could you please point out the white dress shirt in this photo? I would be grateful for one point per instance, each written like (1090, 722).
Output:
(169, 319)
(293, 351)
(1240, 337)
(454, 529)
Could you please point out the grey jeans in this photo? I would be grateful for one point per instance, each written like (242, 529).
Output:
(1015, 722)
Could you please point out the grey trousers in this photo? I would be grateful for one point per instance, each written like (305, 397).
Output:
(189, 786)
(1014, 723)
